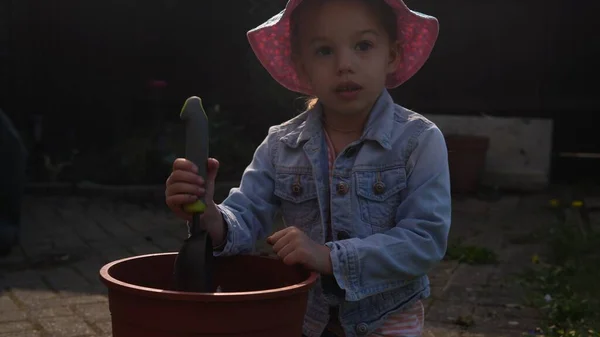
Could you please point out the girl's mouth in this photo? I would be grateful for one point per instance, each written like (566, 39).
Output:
(347, 87)
(348, 90)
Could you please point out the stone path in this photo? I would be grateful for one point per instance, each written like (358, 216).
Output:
(50, 285)
(484, 300)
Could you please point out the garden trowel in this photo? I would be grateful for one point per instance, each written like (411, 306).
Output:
(193, 265)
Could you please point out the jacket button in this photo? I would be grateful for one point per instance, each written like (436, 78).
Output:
(296, 189)
(342, 188)
(379, 187)
(362, 329)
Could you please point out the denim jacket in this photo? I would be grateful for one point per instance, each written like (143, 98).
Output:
(390, 210)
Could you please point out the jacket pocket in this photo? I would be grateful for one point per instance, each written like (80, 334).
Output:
(298, 196)
(378, 194)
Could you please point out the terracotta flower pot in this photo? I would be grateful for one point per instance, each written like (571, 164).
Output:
(466, 158)
(260, 297)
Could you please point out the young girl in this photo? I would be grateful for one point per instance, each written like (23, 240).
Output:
(362, 183)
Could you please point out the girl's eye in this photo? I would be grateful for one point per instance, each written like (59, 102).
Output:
(323, 51)
(364, 46)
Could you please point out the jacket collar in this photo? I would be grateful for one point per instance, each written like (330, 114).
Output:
(378, 128)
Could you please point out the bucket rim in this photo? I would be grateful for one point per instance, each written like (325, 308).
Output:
(117, 285)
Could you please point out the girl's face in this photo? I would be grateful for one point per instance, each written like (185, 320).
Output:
(345, 54)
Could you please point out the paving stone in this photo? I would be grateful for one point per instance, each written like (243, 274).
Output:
(80, 223)
(143, 221)
(505, 206)
(458, 293)
(484, 332)
(465, 226)
(90, 268)
(68, 241)
(167, 243)
(437, 291)
(490, 239)
(34, 297)
(113, 253)
(440, 275)
(110, 223)
(42, 216)
(12, 316)
(105, 327)
(34, 246)
(469, 206)
(42, 222)
(471, 275)
(55, 311)
(505, 318)
(145, 248)
(449, 312)
(7, 304)
(28, 333)
(69, 298)
(66, 279)
(482, 295)
(13, 327)
(432, 329)
(71, 326)
(519, 256)
(94, 312)
(121, 209)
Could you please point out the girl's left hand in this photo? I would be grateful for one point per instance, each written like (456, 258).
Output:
(293, 246)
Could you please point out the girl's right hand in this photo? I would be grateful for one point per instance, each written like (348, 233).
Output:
(184, 186)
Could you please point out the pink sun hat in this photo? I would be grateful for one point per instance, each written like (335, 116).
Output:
(271, 43)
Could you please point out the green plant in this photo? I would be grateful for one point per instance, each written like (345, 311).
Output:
(564, 284)
(470, 254)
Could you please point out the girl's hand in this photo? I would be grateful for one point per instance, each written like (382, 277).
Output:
(184, 186)
(293, 246)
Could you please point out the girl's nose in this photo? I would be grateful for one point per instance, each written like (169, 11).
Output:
(344, 62)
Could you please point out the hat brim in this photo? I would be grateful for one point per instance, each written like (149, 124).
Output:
(271, 44)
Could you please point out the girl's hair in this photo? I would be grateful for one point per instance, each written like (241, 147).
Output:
(381, 9)
(311, 102)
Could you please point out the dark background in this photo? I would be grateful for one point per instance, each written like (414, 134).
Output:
(84, 67)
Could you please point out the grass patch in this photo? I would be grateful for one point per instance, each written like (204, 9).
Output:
(471, 254)
(564, 284)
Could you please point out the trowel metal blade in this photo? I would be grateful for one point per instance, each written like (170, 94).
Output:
(194, 264)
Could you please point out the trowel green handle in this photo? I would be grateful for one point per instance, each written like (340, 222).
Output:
(193, 267)
(196, 142)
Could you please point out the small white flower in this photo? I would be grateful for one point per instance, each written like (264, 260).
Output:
(547, 298)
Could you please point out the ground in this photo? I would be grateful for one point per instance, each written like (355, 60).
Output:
(50, 284)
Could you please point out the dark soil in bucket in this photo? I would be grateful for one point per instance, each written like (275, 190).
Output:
(260, 297)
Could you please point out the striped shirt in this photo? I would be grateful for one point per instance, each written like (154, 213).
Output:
(408, 322)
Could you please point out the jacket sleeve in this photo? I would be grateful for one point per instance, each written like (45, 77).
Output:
(249, 210)
(387, 260)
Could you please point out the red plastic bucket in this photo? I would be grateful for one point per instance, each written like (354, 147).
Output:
(261, 297)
